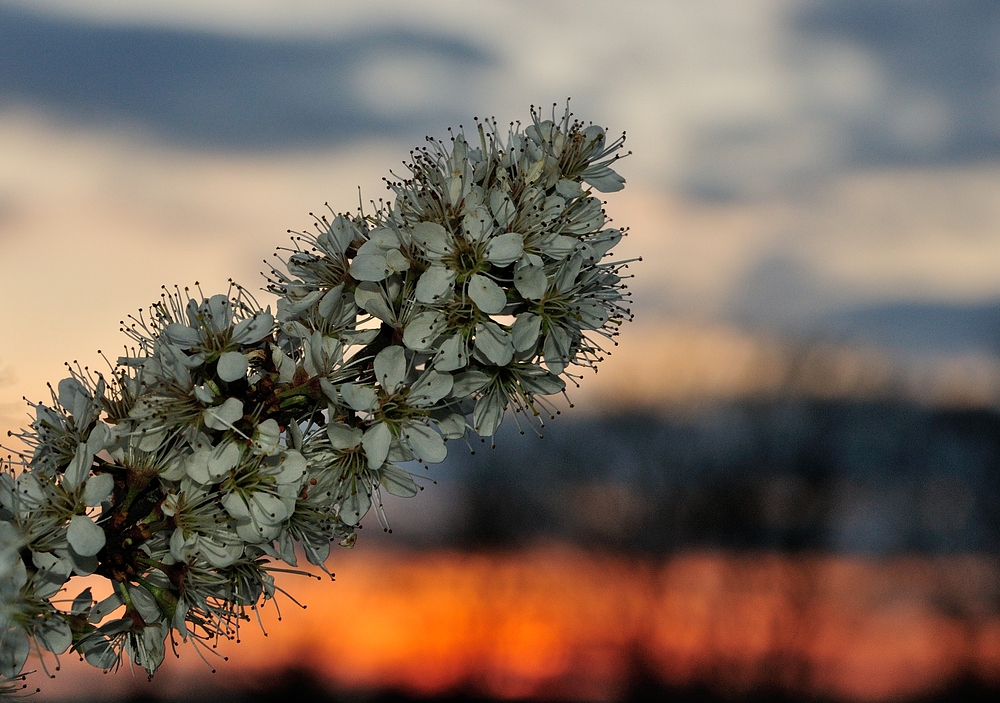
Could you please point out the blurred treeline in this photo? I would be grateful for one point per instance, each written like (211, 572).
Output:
(876, 477)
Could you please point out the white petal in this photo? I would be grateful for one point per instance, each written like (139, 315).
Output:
(390, 367)
(99, 652)
(218, 312)
(284, 364)
(605, 241)
(236, 505)
(316, 553)
(525, 331)
(468, 383)
(52, 573)
(453, 426)
(371, 267)
(223, 459)
(181, 335)
(360, 398)
(365, 292)
(452, 355)
(531, 282)
(423, 330)
(503, 209)
(343, 437)
(487, 295)
(83, 602)
(557, 246)
(568, 272)
(97, 489)
(430, 388)
(494, 343)
(232, 366)
(339, 236)
(79, 468)
(196, 465)
(220, 554)
(151, 437)
(477, 223)
(144, 603)
(253, 329)
(13, 651)
(397, 481)
(433, 239)
(603, 179)
(267, 436)
(267, 508)
(425, 442)
(542, 382)
(376, 441)
(384, 238)
(396, 261)
(98, 438)
(292, 466)
(105, 608)
(505, 249)
(86, 538)
(434, 284)
(355, 505)
(592, 314)
(555, 350)
(399, 452)
(332, 303)
(569, 189)
(223, 416)
(54, 634)
(488, 413)
(257, 533)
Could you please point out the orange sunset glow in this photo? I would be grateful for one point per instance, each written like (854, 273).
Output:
(559, 623)
(782, 482)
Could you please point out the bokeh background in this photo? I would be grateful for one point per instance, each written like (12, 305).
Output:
(782, 485)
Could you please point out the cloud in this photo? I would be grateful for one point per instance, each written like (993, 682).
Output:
(940, 76)
(196, 87)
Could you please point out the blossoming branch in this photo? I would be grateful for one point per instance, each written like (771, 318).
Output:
(231, 440)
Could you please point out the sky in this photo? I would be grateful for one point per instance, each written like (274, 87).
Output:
(814, 185)
(823, 170)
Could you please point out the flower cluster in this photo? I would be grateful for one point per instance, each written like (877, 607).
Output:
(231, 437)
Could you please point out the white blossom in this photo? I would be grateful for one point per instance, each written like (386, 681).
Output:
(228, 438)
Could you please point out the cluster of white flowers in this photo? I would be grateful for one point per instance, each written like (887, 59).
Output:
(230, 439)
